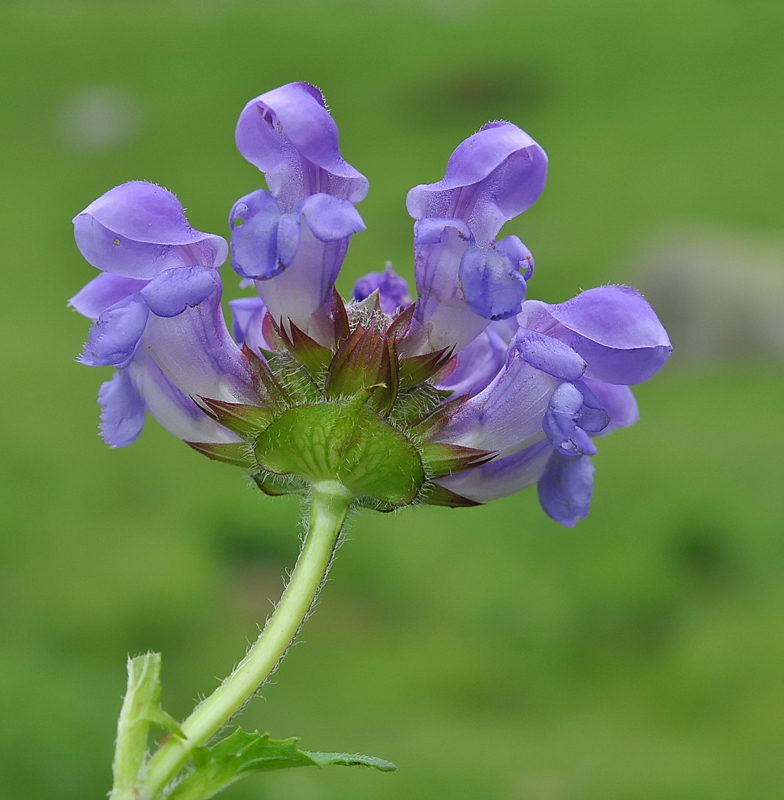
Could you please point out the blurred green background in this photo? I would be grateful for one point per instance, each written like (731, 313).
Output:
(488, 652)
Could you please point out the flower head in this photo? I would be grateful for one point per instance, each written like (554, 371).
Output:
(468, 393)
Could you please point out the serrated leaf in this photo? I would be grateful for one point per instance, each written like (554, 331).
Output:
(242, 753)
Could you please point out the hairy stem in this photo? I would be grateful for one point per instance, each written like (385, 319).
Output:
(330, 504)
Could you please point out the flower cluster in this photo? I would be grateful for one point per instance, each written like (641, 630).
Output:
(469, 393)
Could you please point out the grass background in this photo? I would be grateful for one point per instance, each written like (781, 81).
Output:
(489, 653)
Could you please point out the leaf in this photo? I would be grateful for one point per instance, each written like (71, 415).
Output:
(141, 710)
(345, 760)
(242, 753)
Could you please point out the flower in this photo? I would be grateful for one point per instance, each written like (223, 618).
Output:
(157, 315)
(469, 393)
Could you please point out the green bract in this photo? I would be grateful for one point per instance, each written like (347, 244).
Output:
(358, 414)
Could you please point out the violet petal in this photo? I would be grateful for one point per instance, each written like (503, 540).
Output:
(549, 355)
(290, 136)
(138, 230)
(102, 292)
(330, 218)
(561, 419)
(115, 335)
(247, 315)
(565, 488)
(612, 327)
(173, 291)
(392, 289)
(122, 410)
(491, 177)
(501, 476)
(255, 246)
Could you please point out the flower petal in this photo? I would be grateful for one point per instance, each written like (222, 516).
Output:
(507, 415)
(565, 488)
(174, 290)
(137, 230)
(247, 315)
(172, 409)
(115, 335)
(560, 422)
(198, 355)
(255, 246)
(477, 364)
(491, 177)
(122, 410)
(290, 136)
(612, 327)
(441, 307)
(303, 291)
(619, 403)
(392, 289)
(549, 355)
(102, 292)
(501, 476)
(330, 218)
(493, 278)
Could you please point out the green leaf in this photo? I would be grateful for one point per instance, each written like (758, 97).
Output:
(345, 760)
(141, 710)
(242, 753)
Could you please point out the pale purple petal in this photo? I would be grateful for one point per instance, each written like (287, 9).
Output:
(172, 409)
(565, 488)
(502, 476)
(477, 364)
(290, 136)
(257, 250)
(138, 230)
(115, 335)
(507, 415)
(594, 417)
(561, 420)
(122, 410)
(303, 292)
(330, 218)
(392, 289)
(198, 355)
(491, 177)
(177, 289)
(102, 292)
(441, 307)
(549, 355)
(493, 278)
(247, 315)
(619, 403)
(612, 327)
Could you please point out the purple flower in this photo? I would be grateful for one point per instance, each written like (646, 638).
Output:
(392, 290)
(157, 317)
(292, 239)
(470, 393)
(565, 381)
(464, 277)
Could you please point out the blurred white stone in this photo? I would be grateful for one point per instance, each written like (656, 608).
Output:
(719, 293)
(99, 117)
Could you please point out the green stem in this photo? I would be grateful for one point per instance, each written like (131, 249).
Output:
(330, 504)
